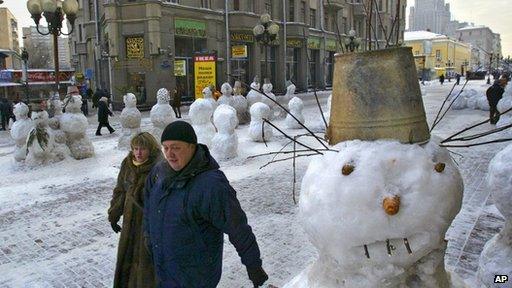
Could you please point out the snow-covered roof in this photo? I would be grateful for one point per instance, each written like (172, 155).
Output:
(473, 27)
(422, 35)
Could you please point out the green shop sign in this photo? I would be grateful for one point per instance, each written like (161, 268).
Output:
(294, 42)
(313, 43)
(190, 27)
(330, 45)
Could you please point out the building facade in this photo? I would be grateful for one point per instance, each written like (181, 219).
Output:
(147, 45)
(40, 49)
(9, 41)
(430, 15)
(486, 45)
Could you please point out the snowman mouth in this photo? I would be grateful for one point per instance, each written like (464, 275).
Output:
(389, 245)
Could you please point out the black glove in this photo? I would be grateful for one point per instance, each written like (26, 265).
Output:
(257, 276)
(115, 227)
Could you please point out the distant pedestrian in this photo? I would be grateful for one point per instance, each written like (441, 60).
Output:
(176, 102)
(5, 111)
(96, 97)
(494, 95)
(457, 77)
(103, 113)
(441, 79)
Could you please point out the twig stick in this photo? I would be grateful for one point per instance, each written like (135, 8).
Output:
(478, 144)
(449, 106)
(304, 145)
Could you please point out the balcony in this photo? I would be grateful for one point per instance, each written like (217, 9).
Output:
(334, 4)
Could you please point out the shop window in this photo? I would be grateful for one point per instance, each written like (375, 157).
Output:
(236, 5)
(271, 56)
(312, 67)
(292, 64)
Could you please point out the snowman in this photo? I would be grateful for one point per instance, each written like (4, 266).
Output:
(258, 112)
(74, 124)
(295, 106)
(377, 212)
(161, 113)
(283, 100)
(200, 114)
(254, 95)
(225, 142)
(496, 258)
(130, 121)
(40, 141)
(208, 96)
(267, 89)
(20, 130)
(226, 97)
(240, 104)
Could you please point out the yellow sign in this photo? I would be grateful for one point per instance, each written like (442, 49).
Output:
(204, 73)
(135, 47)
(180, 68)
(239, 51)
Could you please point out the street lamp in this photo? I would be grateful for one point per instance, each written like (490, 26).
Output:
(265, 33)
(24, 57)
(352, 43)
(54, 11)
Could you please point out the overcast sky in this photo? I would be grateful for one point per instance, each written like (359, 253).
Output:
(496, 14)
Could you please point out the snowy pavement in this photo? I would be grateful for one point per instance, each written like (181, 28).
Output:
(54, 230)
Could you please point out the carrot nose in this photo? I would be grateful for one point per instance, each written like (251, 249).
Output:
(391, 205)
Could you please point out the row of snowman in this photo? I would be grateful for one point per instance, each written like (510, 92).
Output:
(40, 139)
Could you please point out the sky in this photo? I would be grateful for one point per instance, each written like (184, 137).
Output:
(497, 16)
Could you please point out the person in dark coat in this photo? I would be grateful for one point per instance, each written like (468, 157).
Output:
(176, 102)
(103, 113)
(134, 267)
(441, 79)
(457, 77)
(494, 95)
(5, 112)
(96, 97)
(188, 206)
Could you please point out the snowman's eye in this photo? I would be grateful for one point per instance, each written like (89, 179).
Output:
(347, 169)
(391, 205)
(439, 167)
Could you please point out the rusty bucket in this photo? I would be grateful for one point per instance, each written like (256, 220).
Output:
(376, 95)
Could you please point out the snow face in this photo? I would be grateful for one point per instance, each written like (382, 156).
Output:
(74, 124)
(20, 130)
(130, 121)
(258, 112)
(254, 96)
(496, 258)
(225, 141)
(372, 192)
(226, 97)
(295, 106)
(200, 113)
(161, 113)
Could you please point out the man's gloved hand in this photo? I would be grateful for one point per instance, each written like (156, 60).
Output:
(257, 276)
(115, 227)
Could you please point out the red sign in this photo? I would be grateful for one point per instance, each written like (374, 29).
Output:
(204, 58)
(42, 76)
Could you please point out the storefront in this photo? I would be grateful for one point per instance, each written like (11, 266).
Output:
(242, 45)
(189, 39)
(293, 50)
(313, 61)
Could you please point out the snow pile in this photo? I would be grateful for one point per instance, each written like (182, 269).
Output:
(161, 113)
(496, 258)
(267, 89)
(130, 121)
(74, 124)
(254, 95)
(295, 106)
(283, 100)
(258, 112)
(470, 98)
(225, 142)
(360, 204)
(20, 130)
(226, 97)
(200, 114)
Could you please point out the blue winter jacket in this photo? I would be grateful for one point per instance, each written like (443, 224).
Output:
(185, 216)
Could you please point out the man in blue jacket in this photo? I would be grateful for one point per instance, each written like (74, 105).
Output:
(188, 205)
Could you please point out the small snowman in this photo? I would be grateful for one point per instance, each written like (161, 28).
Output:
(20, 130)
(254, 95)
(496, 257)
(259, 111)
(74, 124)
(226, 97)
(283, 100)
(240, 104)
(225, 142)
(208, 96)
(40, 141)
(200, 114)
(161, 113)
(267, 89)
(295, 107)
(130, 121)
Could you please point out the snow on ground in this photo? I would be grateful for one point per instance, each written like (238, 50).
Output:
(53, 220)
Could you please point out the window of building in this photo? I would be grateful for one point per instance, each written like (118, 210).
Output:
(268, 6)
(312, 17)
(329, 63)
(381, 8)
(271, 56)
(90, 9)
(236, 5)
(292, 64)
(303, 11)
(291, 10)
(207, 3)
(438, 55)
(416, 52)
(326, 21)
(344, 21)
(313, 56)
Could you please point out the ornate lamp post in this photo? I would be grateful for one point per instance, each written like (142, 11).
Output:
(54, 11)
(352, 43)
(24, 57)
(265, 33)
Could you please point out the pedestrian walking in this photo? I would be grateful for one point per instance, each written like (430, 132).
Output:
(103, 113)
(5, 111)
(494, 95)
(188, 206)
(441, 79)
(96, 97)
(134, 267)
(457, 77)
(176, 102)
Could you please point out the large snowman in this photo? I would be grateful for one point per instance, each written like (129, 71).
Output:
(74, 124)
(267, 89)
(130, 121)
(227, 95)
(161, 113)
(496, 258)
(40, 141)
(200, 114)
(225, 142)
(259, 111)
(254, 95)
(377, 212)
(20, 130)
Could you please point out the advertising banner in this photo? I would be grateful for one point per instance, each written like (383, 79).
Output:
(204, 72)
(180, 68)
(239, 51)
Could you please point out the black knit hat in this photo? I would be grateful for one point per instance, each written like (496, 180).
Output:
(181, 131)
